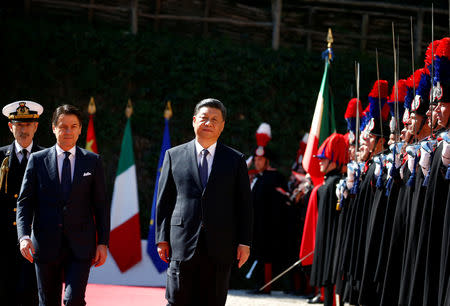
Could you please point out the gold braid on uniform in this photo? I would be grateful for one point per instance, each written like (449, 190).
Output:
(4, 169)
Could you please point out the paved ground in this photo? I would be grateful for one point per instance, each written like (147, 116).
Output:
(277, 298)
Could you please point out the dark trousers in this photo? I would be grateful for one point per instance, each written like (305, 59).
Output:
(328, 295)
(50, 277)
(26, 290)
(198, 281)
(18, 280)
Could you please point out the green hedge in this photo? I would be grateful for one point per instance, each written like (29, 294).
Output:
(54, 61)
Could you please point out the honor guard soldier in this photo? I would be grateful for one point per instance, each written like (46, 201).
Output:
(333, 155)
(18, 279)
(269, 222)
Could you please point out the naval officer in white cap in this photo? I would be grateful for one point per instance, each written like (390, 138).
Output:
(18, 277)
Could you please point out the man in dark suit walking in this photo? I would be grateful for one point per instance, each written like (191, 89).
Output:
(203, 212)
(18, 279)
(62, 206)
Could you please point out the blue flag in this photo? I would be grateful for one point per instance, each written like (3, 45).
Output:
(160, 265)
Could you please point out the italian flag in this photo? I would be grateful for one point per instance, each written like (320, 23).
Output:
(125, 237)
(322, 126)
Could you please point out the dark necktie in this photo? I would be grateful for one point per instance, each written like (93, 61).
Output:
(66, 177)
(24, 161)
(203, 169)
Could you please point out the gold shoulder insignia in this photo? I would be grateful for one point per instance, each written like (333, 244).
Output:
(4, 169)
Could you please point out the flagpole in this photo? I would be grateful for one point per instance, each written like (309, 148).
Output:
(432, 67)
(358, 123)
(379, 95)
(396, 110)
(413, 78)
(91, 107)
(129, 109)
(330, 41)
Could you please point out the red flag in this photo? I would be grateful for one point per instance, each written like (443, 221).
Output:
(91, 141)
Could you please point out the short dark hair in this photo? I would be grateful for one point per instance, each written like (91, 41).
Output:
(65, 109)
(211, 102)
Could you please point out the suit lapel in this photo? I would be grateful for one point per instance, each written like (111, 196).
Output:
(12, 154)
(193, 163)
(51, 164)
(78, 171)
(214, 164)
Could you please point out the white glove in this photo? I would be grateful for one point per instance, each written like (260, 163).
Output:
(398, 160)
(411, 163)
(338, 189)
(350, 184)
(401, 170)
(446, 153)
(350, 175)
(388, 168)
(425, 161)
(345, 193)
(378, 169)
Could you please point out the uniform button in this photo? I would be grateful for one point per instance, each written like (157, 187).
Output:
(14, 209)
(14, 223)
(16, 195)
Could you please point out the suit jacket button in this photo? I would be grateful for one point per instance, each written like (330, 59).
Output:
(14, 223)
(16, 195)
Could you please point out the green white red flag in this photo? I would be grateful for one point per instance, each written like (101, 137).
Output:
(125, 237)
(323, 125)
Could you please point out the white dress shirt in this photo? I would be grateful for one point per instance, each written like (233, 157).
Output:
(19, 149)
(60, 158)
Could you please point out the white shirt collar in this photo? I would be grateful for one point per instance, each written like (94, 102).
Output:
(19, 148)
(211, 149)
(60, 151)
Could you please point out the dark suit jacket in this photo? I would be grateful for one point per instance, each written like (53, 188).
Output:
(77, 220)
(8, 198)
(223, 209)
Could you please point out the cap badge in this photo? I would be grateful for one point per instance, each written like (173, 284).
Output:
(416, 103)
(406, 116)
(436, 93)
(260, 151)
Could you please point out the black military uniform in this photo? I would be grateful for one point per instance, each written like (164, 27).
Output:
(18, 277)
